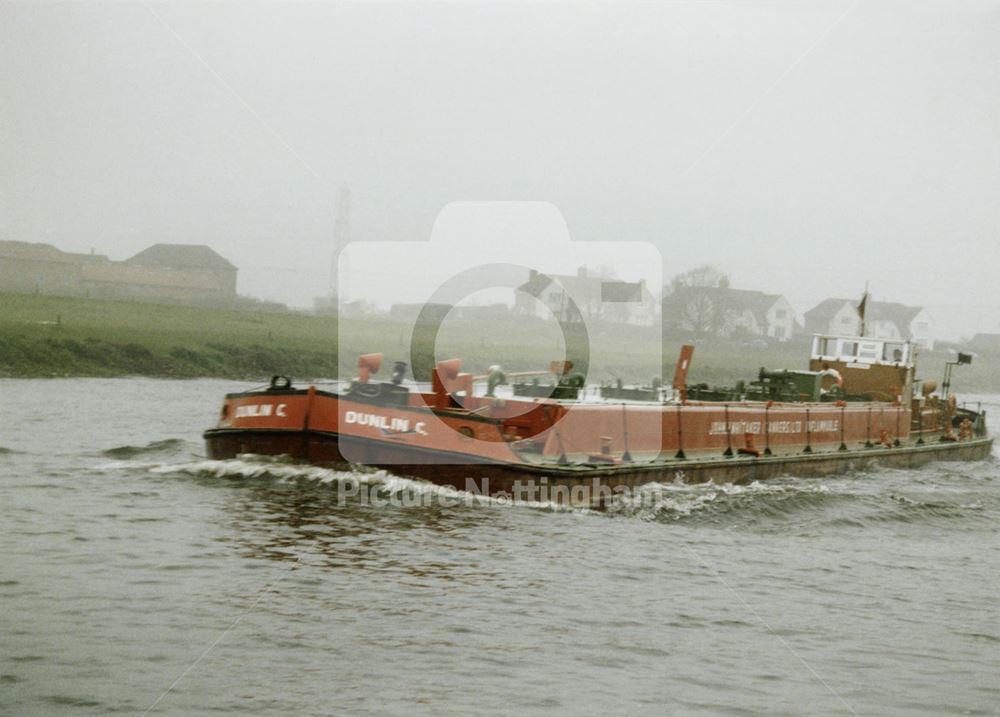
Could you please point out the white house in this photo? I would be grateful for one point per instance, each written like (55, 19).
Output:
(585, 296)
(721, 311)
(883, 320)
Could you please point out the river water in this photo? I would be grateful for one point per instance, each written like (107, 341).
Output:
(138, 577)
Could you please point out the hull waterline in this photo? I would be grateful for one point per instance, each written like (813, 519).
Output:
(592, 480)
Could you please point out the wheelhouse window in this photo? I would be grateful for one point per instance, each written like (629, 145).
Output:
(868, 350)
(893, 352)
(859, 350)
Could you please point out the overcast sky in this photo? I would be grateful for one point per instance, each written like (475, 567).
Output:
(802, 147)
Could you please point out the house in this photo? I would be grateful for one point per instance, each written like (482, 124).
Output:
(985, 343)
(722, 311)
(29, 268)
(883, 320)
(175, 273)
(168, 273)
(586, 297)
(203, 265)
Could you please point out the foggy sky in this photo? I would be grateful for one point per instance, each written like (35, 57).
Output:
(803, 148)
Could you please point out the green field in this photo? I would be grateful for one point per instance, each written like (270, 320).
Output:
(44, 336)
(53, 336)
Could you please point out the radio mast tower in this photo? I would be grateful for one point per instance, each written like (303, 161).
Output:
(341, 237)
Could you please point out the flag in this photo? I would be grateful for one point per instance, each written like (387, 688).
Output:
(861, 309)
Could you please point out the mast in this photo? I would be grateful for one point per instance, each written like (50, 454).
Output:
(862, 305)
(341, 237)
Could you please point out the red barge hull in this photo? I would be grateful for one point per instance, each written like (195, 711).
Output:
(512, 447)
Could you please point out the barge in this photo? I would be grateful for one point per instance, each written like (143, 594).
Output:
(857, 404)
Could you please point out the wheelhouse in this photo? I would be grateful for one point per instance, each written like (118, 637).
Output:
(862, 351)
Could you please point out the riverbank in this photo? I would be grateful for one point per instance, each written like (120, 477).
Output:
(45, 336)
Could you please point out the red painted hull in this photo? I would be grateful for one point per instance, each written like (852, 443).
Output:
(490, 448)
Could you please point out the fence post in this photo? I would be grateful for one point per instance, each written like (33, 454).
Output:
(868, 432)
(809, 448)
(680, 434)
(729, 435)
(767, 430)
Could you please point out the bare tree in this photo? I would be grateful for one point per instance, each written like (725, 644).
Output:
(700, 302)
(705, 275)
(697, 313)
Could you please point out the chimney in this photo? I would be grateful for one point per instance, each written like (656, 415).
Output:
(582, 272)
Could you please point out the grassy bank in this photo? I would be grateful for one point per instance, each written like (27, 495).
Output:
(44, 336)
(52, 336)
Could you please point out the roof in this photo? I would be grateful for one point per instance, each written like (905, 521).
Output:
(30, 251)
(828, 308)
(757, 302)
(35, 252)
(581, 287)
(535, 284)
(181, 256)
(899, 314)
(988, 340)
(591, 288)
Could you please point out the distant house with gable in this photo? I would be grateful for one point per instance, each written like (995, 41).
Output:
(985, 343)
(883, 320)
(723, 311)
(168, 273)
(30, 268)
(184, 272)
(586, 296)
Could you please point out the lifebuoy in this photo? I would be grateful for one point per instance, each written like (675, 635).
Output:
(833, 373)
